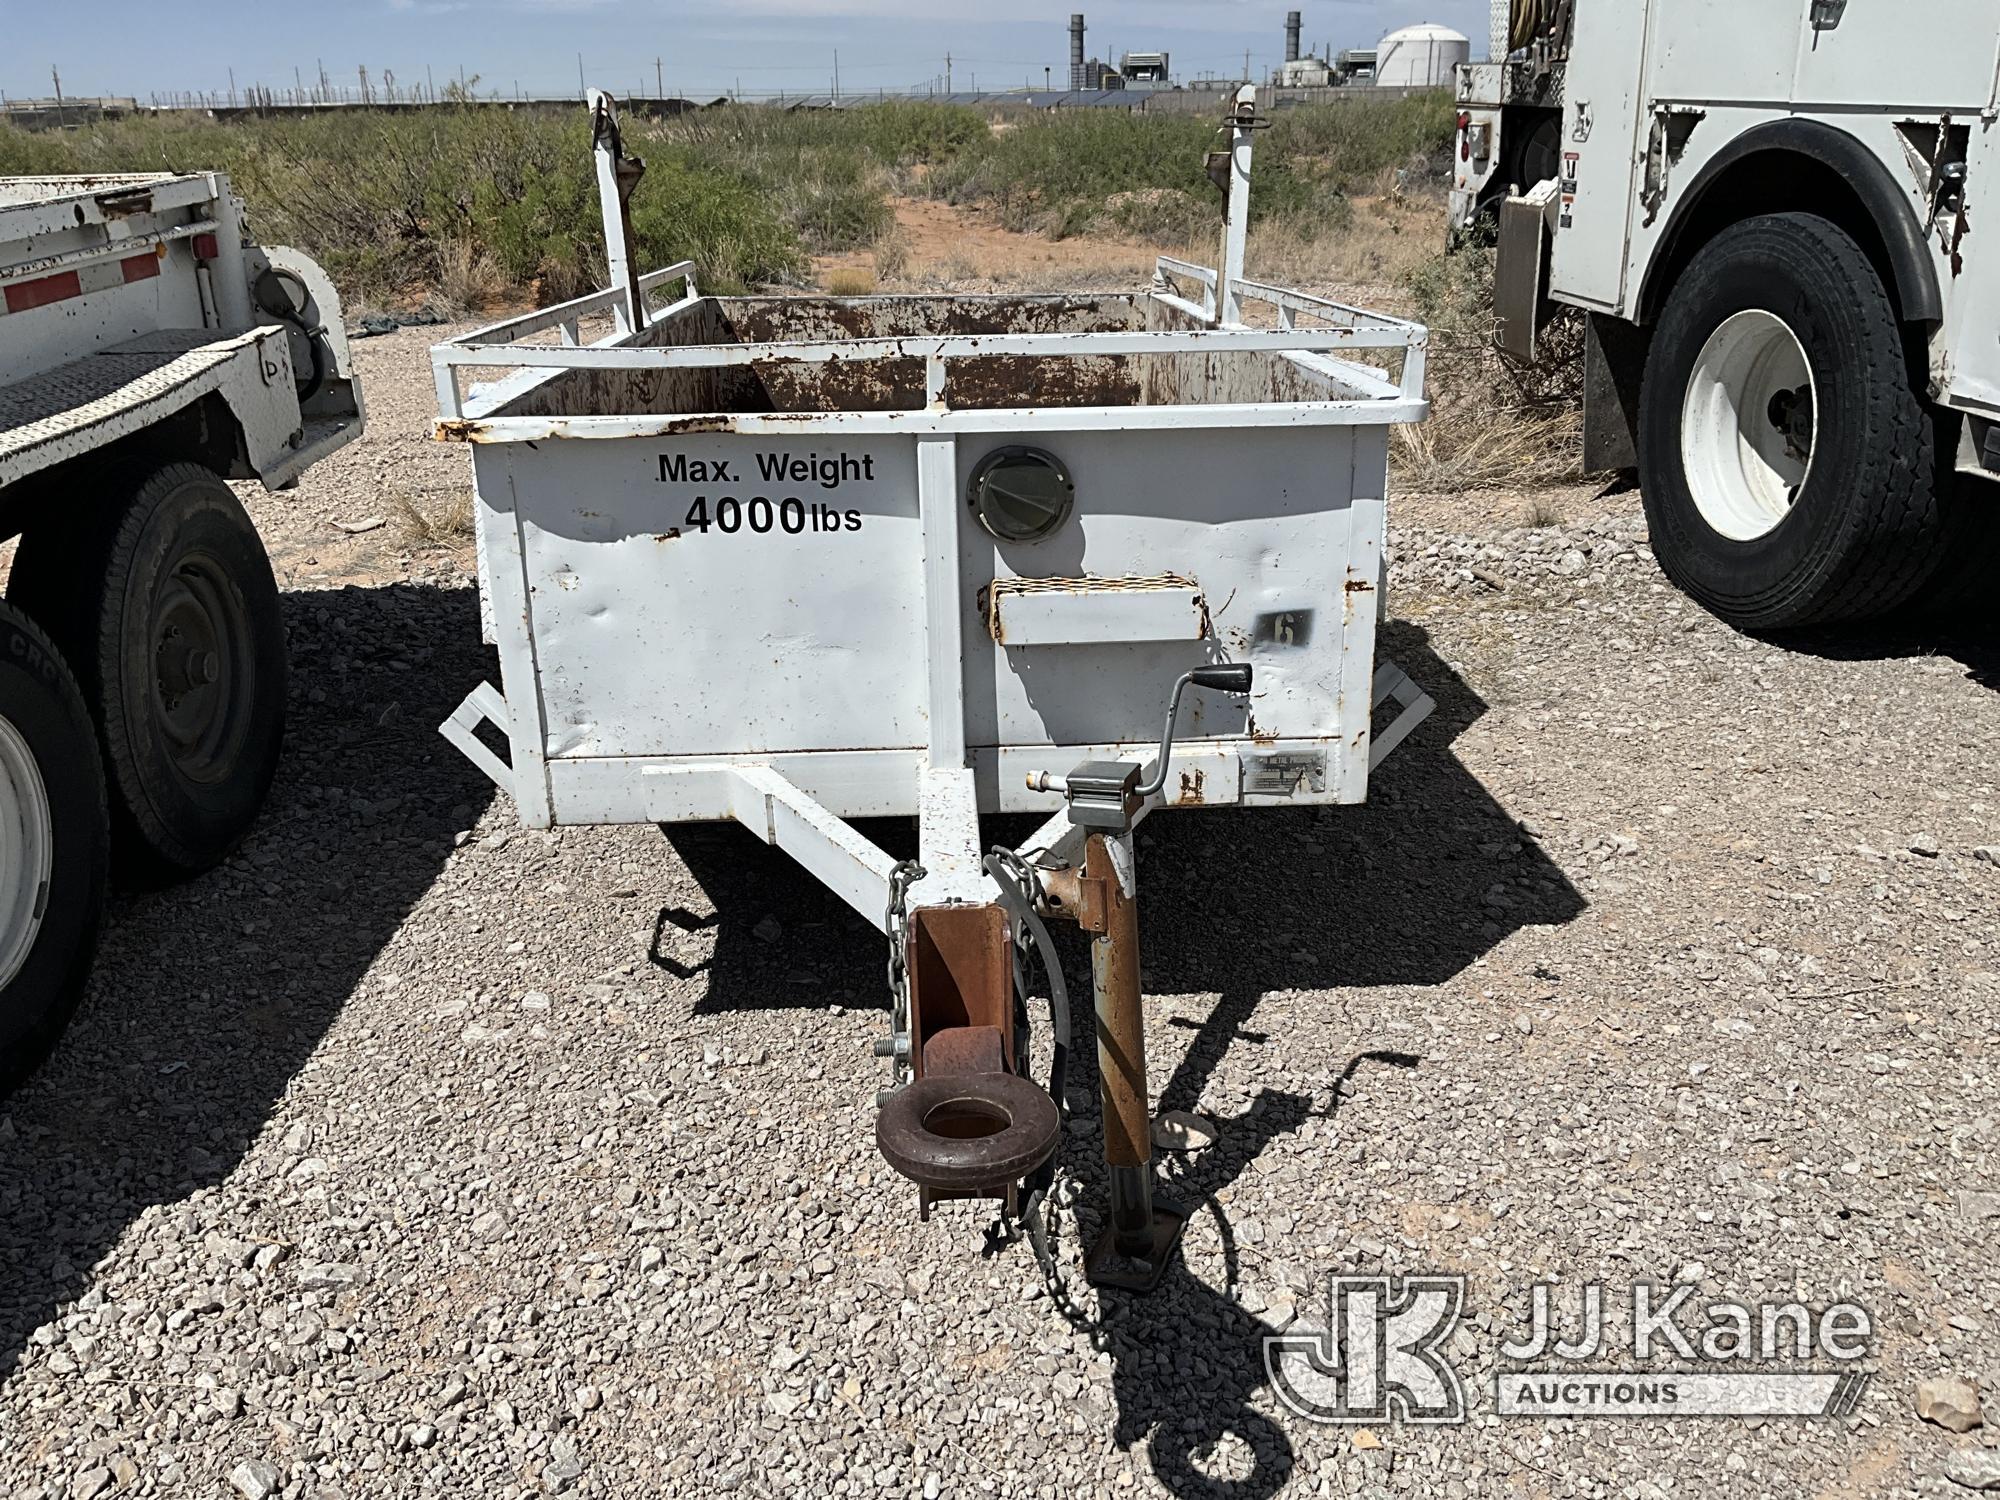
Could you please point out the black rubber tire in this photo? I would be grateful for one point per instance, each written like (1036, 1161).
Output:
(41, 700)
(1870, 524)
(99, 586)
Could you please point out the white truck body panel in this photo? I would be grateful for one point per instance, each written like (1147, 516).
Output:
(1654, 94)
(124, 299)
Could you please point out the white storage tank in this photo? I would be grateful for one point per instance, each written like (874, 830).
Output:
(1419, 57)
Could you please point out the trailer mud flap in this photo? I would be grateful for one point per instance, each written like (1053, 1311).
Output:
(1521, 303)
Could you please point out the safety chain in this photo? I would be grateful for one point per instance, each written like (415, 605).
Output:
(896, 922)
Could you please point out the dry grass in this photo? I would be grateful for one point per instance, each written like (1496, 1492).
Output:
(1493, 423)
(892, 254)
(1468, 450)
(467, 278)
(1541, 513)
(439, 520)
(850, 282)
(1384, 242)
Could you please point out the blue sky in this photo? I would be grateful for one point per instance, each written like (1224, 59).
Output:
(141, 46)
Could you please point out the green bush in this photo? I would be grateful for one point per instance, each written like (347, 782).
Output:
(378, 197)
(476, 201)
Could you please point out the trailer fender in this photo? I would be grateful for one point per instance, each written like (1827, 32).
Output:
(1743, 165)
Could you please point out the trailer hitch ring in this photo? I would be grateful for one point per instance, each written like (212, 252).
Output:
(968, 1131)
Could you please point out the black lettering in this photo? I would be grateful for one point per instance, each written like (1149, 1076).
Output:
(771, 466)
(697, 515)
(792, 514)
(673, 468)
(854, 520)
(728, 513)
(760, 514)
(718, 472)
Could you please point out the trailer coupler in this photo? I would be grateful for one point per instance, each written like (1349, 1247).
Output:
(968, 1123)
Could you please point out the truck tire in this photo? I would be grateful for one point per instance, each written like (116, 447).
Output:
(54, 845)
(1790, 468)
(169, 613)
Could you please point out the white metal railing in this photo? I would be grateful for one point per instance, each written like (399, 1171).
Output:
(1168, 267)
(1340, 329)
(565, 317)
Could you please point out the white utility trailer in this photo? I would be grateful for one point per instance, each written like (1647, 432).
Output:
(797, 560)
(149, 350)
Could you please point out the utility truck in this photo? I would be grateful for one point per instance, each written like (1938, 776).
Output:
(148, 352)
(1769, 214)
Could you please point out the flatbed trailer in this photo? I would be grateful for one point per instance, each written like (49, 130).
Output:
(149, 351)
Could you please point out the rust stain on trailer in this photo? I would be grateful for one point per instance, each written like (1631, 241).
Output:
(1192, 784)
(1358, 585)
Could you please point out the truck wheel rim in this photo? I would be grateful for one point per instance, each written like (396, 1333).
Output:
(1747, 425)
(27, 851)
(200, 658)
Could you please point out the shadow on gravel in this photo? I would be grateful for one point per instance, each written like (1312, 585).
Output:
(1976, 647)
(207, 998)
(1408, 890)
(1188, 1359)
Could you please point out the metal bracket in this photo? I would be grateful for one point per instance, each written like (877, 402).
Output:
(1394, 685)
(1827, 14)
(483, 703)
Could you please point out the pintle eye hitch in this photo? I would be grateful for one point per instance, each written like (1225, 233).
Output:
(970, 1125)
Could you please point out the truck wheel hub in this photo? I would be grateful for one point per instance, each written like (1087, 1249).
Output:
(1747, 425)
(27, 851)
(200, 641)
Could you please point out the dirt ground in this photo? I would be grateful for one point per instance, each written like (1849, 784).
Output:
(413, 1152)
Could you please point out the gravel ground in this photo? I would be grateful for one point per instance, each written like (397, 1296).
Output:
(413, 1153)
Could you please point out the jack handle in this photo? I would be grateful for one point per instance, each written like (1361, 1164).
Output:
(1225, 677)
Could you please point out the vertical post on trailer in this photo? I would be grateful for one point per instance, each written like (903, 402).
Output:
(1236, 224)
(617, 175)
(1121, 1045)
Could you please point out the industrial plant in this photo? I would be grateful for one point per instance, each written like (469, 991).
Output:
(1412, 58)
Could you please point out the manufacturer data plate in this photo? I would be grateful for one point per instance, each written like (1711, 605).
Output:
(1284, 773)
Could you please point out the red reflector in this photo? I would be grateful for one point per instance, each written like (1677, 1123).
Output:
(1465, 148)
(42, 292)
(139, 267)
(205, 247)
(1464, 119)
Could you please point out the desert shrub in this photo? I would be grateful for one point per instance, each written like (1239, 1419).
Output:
(394, 204)
(1493, 421)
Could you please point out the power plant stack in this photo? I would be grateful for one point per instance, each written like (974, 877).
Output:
(1291, 36)
(1076, 81)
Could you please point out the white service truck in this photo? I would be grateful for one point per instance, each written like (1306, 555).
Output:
(148, 352)
(1769, 213)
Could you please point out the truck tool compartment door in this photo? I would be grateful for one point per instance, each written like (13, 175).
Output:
(1892, 57)
(1600, 141)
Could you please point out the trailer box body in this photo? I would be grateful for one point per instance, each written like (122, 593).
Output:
(782, 562)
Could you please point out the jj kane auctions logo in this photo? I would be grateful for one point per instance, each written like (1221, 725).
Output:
(1384, 1351)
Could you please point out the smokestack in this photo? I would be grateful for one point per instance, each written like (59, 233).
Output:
(1291, 36)
(1076, 52)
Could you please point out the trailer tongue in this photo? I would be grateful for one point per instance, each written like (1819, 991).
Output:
(791, 561)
